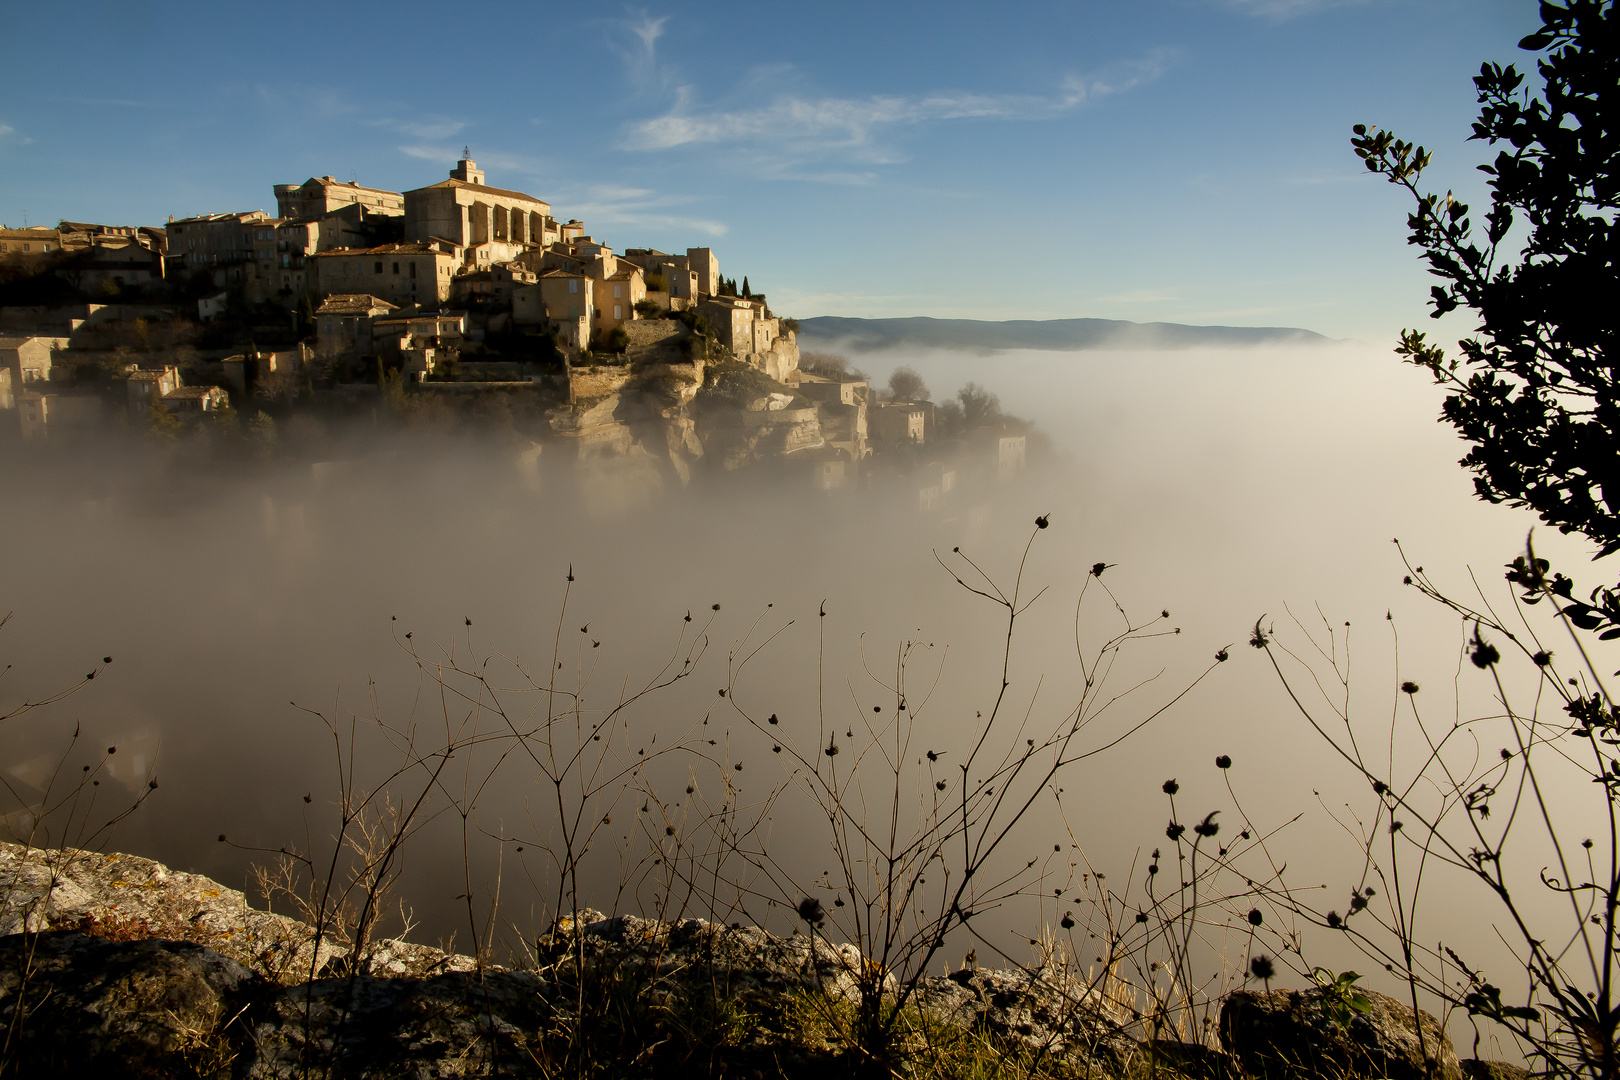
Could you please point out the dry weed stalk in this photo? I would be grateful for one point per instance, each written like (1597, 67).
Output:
(1521, 797)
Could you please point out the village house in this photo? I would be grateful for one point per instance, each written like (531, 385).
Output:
(221, 243)
(28, 360)
(280, 269)
(86, 234)
(320, 195)
(419, 341)
(491, 225)
(897, 422)
(495, 285)
(45, 414)
(141, 388)
(343, 323)
(560, 300)
(615, 298)
(113, 262)
(34, 240)
(843, 403)
(670, 282)
(409, 273)
(191, 401)
(753, 335)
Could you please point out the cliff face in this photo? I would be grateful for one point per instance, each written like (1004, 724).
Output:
(667, 410)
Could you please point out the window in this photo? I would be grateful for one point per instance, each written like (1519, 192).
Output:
(396, 269)
(379, 267)
(413, 270)
(618, 291)
(618, 311)
(573, 285)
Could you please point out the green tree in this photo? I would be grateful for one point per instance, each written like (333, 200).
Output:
(161, 421)
(1534, 393)
(905, 384)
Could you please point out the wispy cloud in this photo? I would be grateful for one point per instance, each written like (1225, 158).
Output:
(793, 129)
(427, 128)
(11, 135)
(528, 172)
(1284, 9)
(1136, 296)
(635, 39)
(126, 103)
(613, 205)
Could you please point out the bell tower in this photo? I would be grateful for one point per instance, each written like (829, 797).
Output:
(467, 170)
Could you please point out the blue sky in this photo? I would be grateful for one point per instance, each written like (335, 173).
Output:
(1181, 160)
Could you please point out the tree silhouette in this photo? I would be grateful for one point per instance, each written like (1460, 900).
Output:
(1534, 392)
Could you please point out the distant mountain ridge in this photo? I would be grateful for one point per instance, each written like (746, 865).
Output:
(976, 335)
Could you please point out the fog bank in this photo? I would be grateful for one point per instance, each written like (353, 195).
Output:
(1220, 486)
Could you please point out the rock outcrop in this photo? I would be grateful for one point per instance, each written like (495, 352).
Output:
(113, 965)
(101, 998)
(1289, 1033)
(128, 898)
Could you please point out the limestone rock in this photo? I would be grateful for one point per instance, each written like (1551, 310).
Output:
(1483, 1069)
(451, 1025)
(1059, 1015)
(125, 898)
(1286, 1032)
(693, 953)
(117, 1008)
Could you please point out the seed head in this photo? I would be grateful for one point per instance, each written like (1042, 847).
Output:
(1262, 968)
(811, 911)
(1255, 918)
(1170, 787)
(1223, 762)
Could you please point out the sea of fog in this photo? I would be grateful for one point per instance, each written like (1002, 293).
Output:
(1220, 486)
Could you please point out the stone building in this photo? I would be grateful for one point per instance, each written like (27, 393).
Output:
(35, 240)
(321, 195)
(111, 260)
(54, 413)
(225, 244)
(680, 283)
(402, 273)
(343, 323)
(562, 300)
(754, 336)
(894, 422)
(616, 297)
(843, 402)
(196, 400)
(492, 225)
(280, 269)
(496, 284)
(141, 388)
(29, 360)
(418, 342)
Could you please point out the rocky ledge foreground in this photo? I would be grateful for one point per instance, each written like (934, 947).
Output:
(114, 965)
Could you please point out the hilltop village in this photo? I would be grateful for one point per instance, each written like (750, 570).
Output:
(455, 304)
